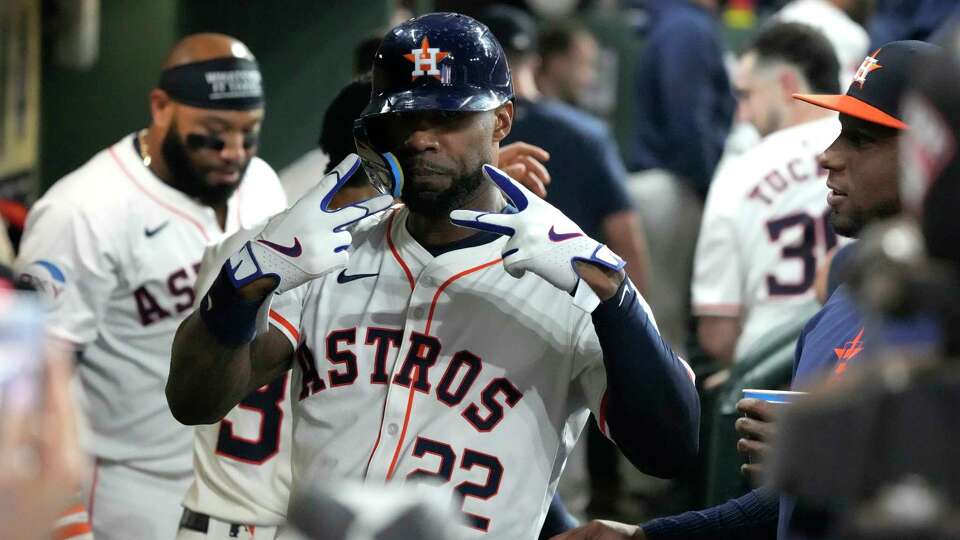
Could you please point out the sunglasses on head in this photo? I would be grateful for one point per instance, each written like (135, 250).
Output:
(197, 141)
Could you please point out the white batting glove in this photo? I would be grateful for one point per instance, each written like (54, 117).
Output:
(542, 239)
(307, 240)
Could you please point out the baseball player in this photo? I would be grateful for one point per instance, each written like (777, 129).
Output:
(422, 349)
(115, 246)
(242, 464)
(864, 176)
(764, 227)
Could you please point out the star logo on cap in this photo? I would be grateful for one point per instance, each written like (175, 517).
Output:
(868, 66)
(425, 60)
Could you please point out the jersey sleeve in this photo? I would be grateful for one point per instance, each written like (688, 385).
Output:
(71, 264)
(717, 285)
(589, 374)
(286, 311)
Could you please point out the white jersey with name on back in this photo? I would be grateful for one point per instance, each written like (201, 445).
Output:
(117, 251)
(447, 370)
(764, 233)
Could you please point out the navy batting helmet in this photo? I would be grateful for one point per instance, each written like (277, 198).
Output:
(439, 61)
(436, 62)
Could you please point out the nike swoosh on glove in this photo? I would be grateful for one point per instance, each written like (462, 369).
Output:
(542, 239)
(307, 240)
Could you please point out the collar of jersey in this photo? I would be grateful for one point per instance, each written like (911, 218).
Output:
(419, 259)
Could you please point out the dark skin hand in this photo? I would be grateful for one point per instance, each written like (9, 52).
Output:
(601, 529)
(758, 430)
(603, 281)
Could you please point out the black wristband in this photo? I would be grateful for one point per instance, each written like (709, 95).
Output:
(228, 317)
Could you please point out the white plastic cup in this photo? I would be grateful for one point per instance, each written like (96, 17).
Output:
(772, 396)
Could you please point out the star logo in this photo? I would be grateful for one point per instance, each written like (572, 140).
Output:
(846, 353)
(425, 60)
(868, 66)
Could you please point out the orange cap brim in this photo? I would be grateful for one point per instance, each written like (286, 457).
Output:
(852, 106)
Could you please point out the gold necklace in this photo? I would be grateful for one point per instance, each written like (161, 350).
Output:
(144, 149)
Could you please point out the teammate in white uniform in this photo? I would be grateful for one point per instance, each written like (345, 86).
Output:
(116, 244)
(429, 356)
(764, 227)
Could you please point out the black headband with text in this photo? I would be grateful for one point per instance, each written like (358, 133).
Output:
(228, 83)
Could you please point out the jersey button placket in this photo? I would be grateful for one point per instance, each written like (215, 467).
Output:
(398, 396)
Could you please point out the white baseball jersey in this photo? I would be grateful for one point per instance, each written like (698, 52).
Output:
(117, 251)
(243, 462)
(764, 232)
(444, 369)
(300, 176)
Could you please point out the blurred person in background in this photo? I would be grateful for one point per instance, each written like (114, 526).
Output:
(864, 189)
(44, 466)
(764, 225)
(589, 175)
(568, 61)
(6, 248)
(298, 177)
(684, 108)
(909, 19)
(114, 247)
(588, 187)
(684, 102)
(841, 22)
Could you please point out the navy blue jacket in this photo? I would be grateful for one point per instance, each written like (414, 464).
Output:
(588, 176)
(831, 341)
(684, 104)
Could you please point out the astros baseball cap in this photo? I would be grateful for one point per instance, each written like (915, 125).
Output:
(878, 86)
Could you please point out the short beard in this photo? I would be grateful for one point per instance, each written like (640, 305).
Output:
(184, 176)
(435, 205)
(850, 226)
